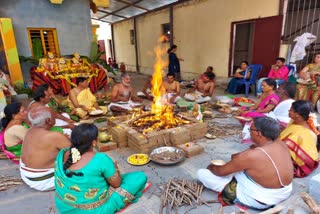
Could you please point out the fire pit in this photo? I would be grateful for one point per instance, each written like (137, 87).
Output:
(160, 127)
(125, 134)
(151, 122)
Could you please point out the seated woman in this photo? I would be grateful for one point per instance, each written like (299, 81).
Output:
(14, 131)
(239, 74)
(84, 184)
(266, 103)
(307, 83)
(286, 92)
(301, 138)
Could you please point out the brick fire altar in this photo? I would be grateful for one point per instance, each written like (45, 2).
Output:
(124, 135)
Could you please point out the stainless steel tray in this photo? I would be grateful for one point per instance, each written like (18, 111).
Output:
(167, 155)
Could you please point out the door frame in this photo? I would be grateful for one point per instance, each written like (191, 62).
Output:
(232, 42)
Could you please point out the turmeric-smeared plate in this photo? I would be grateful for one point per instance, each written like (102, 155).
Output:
(138, 159)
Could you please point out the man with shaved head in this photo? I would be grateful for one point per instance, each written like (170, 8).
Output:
(39, 150)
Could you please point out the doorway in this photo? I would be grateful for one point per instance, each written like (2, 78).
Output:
(257, 41)
(242, 45)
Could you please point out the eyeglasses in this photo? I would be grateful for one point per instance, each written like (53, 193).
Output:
(250, 129)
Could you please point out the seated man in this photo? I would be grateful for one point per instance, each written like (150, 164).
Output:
(279, 72)
(172, 88)
(39, 150)
(123, 96)
(42, 97)
(146, 91)
(209, 69)
(82, 101)
(203, 90)
(256, 178)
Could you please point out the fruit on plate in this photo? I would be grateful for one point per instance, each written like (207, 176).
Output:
(238, 100)
(138, 159)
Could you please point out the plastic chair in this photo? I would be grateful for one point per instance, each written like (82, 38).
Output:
(255, 71)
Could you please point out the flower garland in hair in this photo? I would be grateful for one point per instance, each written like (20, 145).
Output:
(313, 123)
(75, 154)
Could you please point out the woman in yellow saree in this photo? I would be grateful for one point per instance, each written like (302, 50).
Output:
(301, 138)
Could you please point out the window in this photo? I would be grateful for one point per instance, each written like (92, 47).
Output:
(166, 32)
(42, 41)
(132, 37)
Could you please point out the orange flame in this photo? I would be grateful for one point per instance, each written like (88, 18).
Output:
(162, 114)
(162, 111)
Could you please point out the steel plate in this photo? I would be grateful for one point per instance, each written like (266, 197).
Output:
(166, 160)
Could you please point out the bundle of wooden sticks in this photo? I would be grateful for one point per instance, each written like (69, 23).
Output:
(8, 182)
(179, 192)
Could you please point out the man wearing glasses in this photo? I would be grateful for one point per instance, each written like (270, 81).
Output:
(256, 178)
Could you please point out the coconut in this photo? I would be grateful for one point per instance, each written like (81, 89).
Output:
(103, 136)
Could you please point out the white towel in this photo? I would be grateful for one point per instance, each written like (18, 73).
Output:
(125, 105)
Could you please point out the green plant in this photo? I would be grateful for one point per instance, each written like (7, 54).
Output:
(29, 59)
(95, 55)
(20, 89)
(37, 48)
(37, 52)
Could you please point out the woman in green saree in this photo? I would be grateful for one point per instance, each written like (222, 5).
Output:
(13, 129)
(90, 182)
(308, 81)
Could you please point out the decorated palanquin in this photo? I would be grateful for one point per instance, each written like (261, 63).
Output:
(61, 73)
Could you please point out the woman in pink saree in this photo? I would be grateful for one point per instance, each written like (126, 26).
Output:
(268, 100)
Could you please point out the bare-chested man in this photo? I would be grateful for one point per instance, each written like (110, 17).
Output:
(42, 98)
(123, 95)
(258, 178)
(172, 88)
(82, 101)
(39, 150)
(146, 91)
(203, 90)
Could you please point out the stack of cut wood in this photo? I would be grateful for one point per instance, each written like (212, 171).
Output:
(179, 192)
(119, 135)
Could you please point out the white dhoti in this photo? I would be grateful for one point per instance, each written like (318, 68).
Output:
(141, 94)
(39, 179)
(211, 181)
(197, 97)
(125, 105)
(165, 99)
(249, 193)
